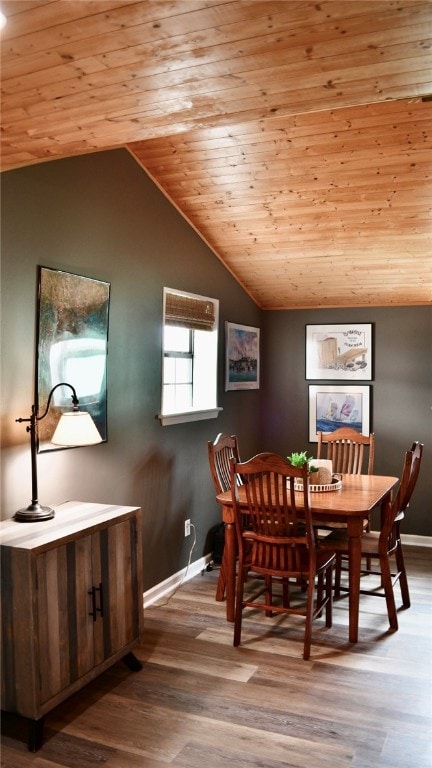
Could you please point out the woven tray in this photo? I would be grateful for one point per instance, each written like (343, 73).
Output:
(335, 485)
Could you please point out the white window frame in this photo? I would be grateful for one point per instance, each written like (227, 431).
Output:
(204, 375)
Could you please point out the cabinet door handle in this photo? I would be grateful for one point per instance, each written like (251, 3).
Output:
(92, 592)
(100, 590)
(95, 609)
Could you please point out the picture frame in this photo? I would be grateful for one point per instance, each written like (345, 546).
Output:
(71, 347)
(334, 406)
(242, 356)
(339, 351)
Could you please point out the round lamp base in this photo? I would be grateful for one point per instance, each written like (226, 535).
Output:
(34, 513)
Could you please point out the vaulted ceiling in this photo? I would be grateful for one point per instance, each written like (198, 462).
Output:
(294, 136)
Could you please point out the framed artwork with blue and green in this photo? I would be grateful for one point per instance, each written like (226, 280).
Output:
(71, 347)
(242, 356)
(334, 406)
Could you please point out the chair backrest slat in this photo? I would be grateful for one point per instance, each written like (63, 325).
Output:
(220, 452)
(345, 447)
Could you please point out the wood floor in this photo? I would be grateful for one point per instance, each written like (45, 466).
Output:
(199, 702)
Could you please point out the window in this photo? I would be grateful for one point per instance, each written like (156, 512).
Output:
(189, 357)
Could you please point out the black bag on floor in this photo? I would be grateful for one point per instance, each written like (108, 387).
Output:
(218, 541)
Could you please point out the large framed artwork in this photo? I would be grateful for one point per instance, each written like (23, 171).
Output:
(242, 356)
(334, 406)
(71, 346)
(339, 351)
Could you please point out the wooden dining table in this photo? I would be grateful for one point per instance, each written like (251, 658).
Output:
(351, 504)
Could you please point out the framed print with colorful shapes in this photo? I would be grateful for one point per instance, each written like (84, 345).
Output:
(334, 406)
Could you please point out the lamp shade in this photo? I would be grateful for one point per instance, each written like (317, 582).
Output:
(76, 428)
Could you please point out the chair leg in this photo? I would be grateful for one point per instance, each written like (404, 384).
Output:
(220, 589)
(269, 595)
(241, 578)
(319, 593)
(309, 619)
(338, 571)
(286, 593)
(329, 596)
(368, 558)
(403, 581)
(388, 591)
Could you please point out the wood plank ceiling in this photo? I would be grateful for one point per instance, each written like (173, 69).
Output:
(294, 136)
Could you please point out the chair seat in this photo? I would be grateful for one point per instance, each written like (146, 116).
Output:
(324, 559)
(338, 542)
(336, 526)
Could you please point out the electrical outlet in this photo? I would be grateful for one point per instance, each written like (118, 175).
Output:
(187, 528)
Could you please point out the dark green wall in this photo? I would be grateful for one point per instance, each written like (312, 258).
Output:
(401, 390)
(101, 216)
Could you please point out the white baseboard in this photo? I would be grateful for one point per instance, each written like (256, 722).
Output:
(414, 540)
(417, 541)
(163, 589)
(173, 582)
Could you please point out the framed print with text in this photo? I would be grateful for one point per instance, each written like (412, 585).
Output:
(339, 351)
(242, 356)
(334, 406)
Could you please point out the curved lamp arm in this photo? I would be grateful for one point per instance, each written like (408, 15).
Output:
(35, 512)
(34, 416)
(75, 401)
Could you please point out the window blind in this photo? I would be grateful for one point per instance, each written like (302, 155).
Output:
(189, 312)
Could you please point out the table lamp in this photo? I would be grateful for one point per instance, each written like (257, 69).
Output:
(73, 429)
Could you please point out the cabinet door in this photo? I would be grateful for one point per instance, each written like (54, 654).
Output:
(88, 603)
(65, 626)
(115, 575)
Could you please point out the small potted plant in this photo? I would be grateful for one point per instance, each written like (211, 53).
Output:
(300, 459)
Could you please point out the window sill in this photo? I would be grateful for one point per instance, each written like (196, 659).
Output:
(181, 418)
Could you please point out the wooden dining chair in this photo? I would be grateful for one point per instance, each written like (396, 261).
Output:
(350, 453)
(347, 449)
(385, 544)
(279, 545)
(220, 452)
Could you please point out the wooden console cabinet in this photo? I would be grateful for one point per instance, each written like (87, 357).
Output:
(71, 604)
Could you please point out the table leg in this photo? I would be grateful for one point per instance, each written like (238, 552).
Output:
(354, 569)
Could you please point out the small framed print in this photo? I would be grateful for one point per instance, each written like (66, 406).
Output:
(242, 356)
(339, 351)
(332, 407)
